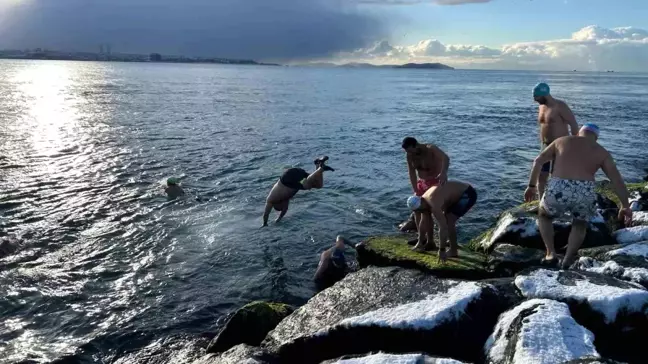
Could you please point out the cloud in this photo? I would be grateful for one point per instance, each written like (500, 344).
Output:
(259, 29)
(591, 48)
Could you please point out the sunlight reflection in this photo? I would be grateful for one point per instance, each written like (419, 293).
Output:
(51, 112)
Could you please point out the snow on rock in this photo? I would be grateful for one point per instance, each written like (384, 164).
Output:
(519, 226)
(640, 218)
(424, 314)
(539, 331)
(631, 235)
(612, 268)
(603, 296)
(383, 358)
(637, 249)
(393, 310)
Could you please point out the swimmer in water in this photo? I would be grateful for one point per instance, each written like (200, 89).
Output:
(293, 180)
(332, 265)
(173, 189)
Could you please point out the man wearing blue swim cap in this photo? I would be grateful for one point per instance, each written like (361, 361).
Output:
(555, 118)
(571, 189)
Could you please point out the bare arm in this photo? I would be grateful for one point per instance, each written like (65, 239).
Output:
(412, 172)
(547, 155)
(266, 213)
(610, 169)
(570, 119)
(442, 157)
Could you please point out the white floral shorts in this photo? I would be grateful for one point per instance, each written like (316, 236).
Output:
(570, 196)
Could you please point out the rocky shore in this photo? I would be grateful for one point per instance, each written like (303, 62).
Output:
(494, 304)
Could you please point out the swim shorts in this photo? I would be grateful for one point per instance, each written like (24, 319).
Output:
(422, 185)
(293, 177)
(569, 196)
(465, 203)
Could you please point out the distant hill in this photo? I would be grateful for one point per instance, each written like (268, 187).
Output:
(435, 66)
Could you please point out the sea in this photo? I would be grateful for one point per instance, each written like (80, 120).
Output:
(101, 267)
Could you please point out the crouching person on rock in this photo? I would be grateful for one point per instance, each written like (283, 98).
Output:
(446, 203)
(332, 266)
(571, 188)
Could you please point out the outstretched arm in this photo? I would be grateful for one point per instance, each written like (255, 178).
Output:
(547, 155)
(612, 172)
(266, 213)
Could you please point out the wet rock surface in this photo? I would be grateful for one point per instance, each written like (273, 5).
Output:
(506, 259)
(249, 325)
(385, 358)
(240, 354)
(393, 310)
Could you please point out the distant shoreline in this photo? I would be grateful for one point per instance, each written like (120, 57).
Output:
(46, 55)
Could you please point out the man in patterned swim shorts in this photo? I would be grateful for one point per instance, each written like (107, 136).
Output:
(571, 188)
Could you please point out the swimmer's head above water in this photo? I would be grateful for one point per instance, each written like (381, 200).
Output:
(172, 181)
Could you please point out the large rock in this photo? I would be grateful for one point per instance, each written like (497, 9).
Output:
(631, 235)
(240, 354)
(616, 311)
(394, 251)
(385, 358)
(539, 331)
(393, 310)
(249, 325)
(638, 192)
(506, 259)
(628, 262)
(518, 226)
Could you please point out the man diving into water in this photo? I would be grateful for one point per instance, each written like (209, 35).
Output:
(293, 180)
(571, 188)
(427, 166)
(554, 118)
(446, 203)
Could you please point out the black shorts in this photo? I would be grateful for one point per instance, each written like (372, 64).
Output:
(548, 167)
(292, 178)
(465, 203)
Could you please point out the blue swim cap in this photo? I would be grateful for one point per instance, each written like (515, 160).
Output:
(414, 202)
(172, 181)
(592, 128)
(541, 89)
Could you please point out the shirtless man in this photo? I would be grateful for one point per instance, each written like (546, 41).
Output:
(554, 118)
(427, 166)
(332, 266)
(446, 203)
(571, 188)
(290, 183)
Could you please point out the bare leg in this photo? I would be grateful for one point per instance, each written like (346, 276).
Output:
(576, 237)
(545, 225)
(451, 220)
(315, 180)
(542, 184)
(424, 228)
(430, 235)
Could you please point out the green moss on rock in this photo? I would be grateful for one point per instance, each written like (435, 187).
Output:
(249, 325)
(394, 251)
(604, 188)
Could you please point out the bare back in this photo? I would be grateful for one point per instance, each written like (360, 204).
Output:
(578, 158)
(445, 195)
(428, 164)
(554, 121)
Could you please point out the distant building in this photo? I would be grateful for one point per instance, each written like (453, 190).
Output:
(155, 57)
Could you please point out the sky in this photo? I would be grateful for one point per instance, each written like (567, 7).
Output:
(594, 35)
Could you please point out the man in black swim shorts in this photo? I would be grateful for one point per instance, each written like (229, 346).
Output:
(293, 180)
(446, 203)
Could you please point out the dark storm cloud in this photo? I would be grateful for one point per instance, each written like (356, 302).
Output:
(260, 29)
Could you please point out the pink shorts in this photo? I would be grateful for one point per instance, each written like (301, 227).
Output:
(422, 185)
